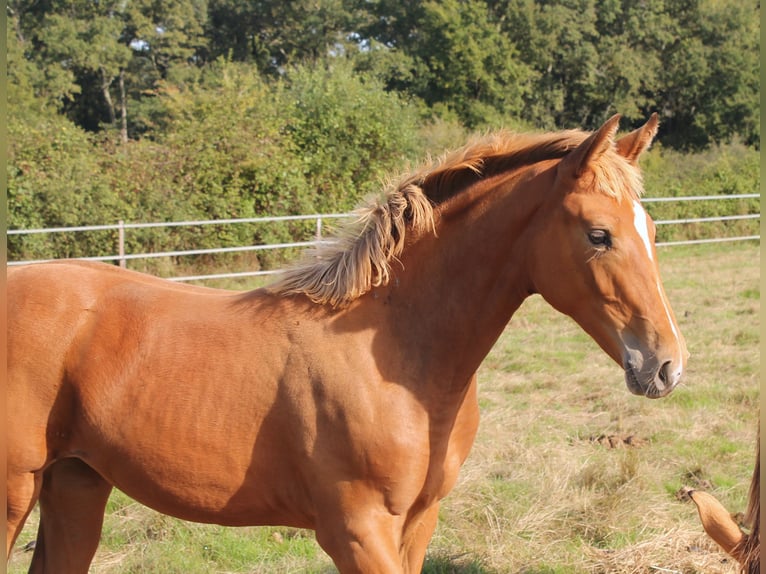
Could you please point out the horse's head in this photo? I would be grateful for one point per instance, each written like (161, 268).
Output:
(596, 260)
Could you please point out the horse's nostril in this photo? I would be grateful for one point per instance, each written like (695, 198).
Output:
(664, 374)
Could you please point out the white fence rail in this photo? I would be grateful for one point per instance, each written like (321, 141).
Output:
(122, 258)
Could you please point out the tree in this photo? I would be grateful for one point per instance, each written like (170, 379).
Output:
(275, 34)
(32, 85)
(104, 46)
(69, 38)
(558, 41)
(472, 66)
(459, 58)
(169, 46)
(694, 61)
(548, 63)
(710, 74)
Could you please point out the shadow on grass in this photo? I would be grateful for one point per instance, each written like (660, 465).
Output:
(466, 564)
(463, 564)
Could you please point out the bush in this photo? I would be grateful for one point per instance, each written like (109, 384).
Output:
(55, 179)
(348, 131)
(727, 170)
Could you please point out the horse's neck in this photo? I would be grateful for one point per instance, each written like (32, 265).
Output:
(456, 292)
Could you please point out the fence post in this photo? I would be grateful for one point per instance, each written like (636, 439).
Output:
(319, 229)
(121, 240)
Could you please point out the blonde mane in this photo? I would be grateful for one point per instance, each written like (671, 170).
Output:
(360, 254)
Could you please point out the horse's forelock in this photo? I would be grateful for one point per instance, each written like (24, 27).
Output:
(617, 177)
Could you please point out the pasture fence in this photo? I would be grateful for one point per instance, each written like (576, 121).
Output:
(122, 258)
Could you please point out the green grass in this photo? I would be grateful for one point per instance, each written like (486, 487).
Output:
(539, 493)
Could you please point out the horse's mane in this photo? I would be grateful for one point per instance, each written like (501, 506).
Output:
(359, 256)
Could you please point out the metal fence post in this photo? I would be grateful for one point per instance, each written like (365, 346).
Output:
(121, 240)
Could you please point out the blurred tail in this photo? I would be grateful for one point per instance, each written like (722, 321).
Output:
(720, 526)
(750, 545)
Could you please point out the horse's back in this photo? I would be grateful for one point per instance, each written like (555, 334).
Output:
(47, 305)
(52, 309)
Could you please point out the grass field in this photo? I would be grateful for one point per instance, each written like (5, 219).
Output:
(569, 474)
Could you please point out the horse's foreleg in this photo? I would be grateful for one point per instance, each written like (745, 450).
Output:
(72, 502)
(22, 493)
(362, 543)
(417, 535)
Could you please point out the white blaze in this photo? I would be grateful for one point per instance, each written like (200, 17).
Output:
(640, 218)
(639, 221)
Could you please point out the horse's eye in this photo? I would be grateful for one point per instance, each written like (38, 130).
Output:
(600, 238)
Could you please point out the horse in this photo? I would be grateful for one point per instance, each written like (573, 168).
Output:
(342, 397)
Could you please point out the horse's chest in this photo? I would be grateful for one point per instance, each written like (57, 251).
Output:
(425, 472)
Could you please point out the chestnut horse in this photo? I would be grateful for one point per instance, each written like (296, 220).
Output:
(342, 398)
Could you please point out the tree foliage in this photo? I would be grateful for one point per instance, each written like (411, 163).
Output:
(547, 63)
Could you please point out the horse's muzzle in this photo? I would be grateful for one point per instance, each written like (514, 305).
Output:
(652, 383)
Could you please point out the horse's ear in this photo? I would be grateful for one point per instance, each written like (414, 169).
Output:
(591, 149)
(635, 143)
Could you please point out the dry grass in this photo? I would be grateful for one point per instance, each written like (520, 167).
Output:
(543, 491)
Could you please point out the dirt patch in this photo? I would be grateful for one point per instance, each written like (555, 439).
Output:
(618, 441)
